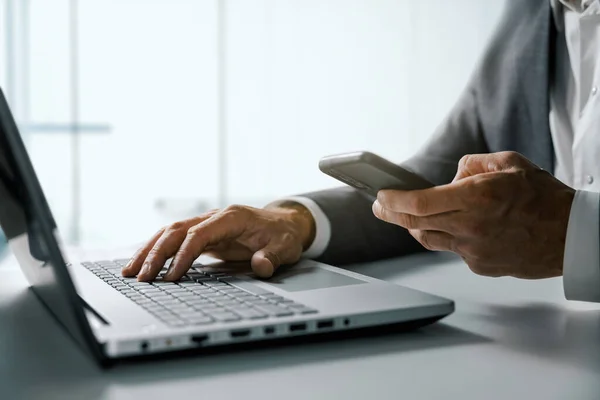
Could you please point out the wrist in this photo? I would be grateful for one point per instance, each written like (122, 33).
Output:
(301, 218)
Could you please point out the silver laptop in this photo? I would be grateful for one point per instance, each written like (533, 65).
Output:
(215, 304)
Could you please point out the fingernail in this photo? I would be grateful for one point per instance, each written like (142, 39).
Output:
(168, 274)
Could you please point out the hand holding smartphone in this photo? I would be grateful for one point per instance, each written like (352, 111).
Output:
(370, 173)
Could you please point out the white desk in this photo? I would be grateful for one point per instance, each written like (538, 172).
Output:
(508, 339)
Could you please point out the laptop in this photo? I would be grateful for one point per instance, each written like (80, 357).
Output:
(217, 304)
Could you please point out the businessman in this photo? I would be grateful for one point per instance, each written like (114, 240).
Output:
(516, 164)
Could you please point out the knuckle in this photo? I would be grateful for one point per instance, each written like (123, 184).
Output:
(419, 205)
(407, 221)
(469, 251)
(464, 161)
(176, 226)
(154, 252)
(510, 157)
(288, 237)
(234, 212)
(235, 208)
(425, 240)
(195, 231)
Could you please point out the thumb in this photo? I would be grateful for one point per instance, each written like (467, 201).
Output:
(266, 261)
(475, 164)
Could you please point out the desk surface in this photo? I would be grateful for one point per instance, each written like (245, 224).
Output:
(508, 339)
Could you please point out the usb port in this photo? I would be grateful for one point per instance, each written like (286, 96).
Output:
(240, 333)
(199, 339)
(325, 324)
(297, 327)
(269, 330)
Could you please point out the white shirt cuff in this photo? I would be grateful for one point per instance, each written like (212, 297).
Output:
(581, 264)
(322, 225)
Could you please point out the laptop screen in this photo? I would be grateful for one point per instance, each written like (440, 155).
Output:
(31, 232)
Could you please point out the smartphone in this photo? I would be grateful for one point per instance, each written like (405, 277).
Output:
(370, 173)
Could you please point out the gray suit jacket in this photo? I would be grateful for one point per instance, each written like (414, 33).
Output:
(505, 106)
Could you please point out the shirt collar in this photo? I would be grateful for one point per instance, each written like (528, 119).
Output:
(579, 6)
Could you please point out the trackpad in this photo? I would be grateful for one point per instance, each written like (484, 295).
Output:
(298, 279)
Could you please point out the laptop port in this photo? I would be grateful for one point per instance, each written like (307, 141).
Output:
(269, 330)
(297, 327)
(199, 339)
(327, 324)
(144, 346)
(240, 333)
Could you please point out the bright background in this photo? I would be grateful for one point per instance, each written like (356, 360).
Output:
(140, 112)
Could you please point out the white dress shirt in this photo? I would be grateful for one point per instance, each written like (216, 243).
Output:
(575, 128)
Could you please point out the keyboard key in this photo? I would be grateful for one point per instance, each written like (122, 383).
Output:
(201, 320)
(259, 302)
(224, 316)
(174, 289)
(183, 295)
(213, 295)
(175, 322)
(306, 310)
(160, 299)
(188, 283)
(227, 302)
(201, 289)
(286, 302)
(213, 308)
(198, 300)
(149, 291)
(154, 308)
(135, 296)
(215, 284)
(137, 284)
(295, 305)
(179, 308)
(272, 297)
(275, 311)
(249, 313)
(163, 284)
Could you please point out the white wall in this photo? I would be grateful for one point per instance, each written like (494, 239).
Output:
(304, 78)
(312, 77)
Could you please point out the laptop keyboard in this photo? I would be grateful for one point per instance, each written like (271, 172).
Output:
(199, 298)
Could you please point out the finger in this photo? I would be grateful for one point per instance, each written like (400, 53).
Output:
(435, 200)
(135, 264)
(445, 222)
(474, 164)
(166, 246)
(434, 240)
(219, 227)
(284, 250)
